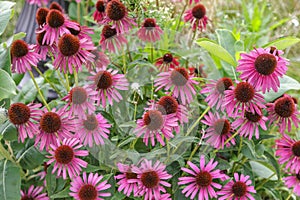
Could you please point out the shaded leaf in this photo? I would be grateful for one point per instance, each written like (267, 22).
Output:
(7, 85)
(283, 43)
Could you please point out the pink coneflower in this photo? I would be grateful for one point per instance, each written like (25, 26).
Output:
(56, 6)
(93, 129)
(73, 52)
(283, 112)
(65, 158)
(101, 61)
(43, 50)
(22, 56)
(151, 179)
(41, 15)
(293, 182)
(34, 193)
(167, 62)
(84, 32)
(39, 3)
(219, 130)
(90, 187)
(107, 82)
(56, 26)
(99, 13)
(81, 101)
(196, 16)
(155, 124)
(249, 124)
(117, 14)
(201, 181)
(243, 98)
(110, 40)
(25, 118)
(216, 92)
(238, 189)
(127, 180)
(262, 68)
(288, 151)
(180, 81)
(54, 124)
(150, 31)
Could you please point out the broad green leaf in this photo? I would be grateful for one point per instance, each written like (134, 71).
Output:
(283, 43)
(51, 181)
(26, 155)
(10, 181)
(262, 170)
(7, 85)
(227, 40)
(28, 92)
(62, 194)
(10, 133)
(5, 61)
(5, 14)
(216, 50)
(273, 162)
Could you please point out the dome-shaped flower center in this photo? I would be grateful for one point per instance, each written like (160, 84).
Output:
(55, 19)
(41, 15)
(150, 179)
(78, 95)
(253, 117)
(88, 192)
(100, 6)
(223, 84)
(64, 154)
(179, 76)
(40, 37)
(149, 23)
(222, 126)
(199, 11)
(131, 175)
(239, 189)
(296, 149)
(298, 176)
(115, 10)
(244, 92)
(68, 45)
(26, 197)
(50, 122)
(203, 179)
(55, 6)
(295, 100)
(91, 122)
(265, 64)
(19, 48)
(168, 105)
(18, 113)
(103, 80)
(108, 32)
(284, 107)
(153, 119)
(168, 58)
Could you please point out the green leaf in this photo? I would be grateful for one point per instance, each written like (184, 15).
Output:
(216, 50)
(51, 181)
(273, 162)
(227, 40)
(5, 14)
(283, 43)
(10, 133)
(7, 85)
(28, 92)
(26, 155)
(62, 194)
(5, 61)
(262, 170)
(10, 181)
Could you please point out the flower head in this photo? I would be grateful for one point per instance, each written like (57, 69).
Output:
(99, 13)
(41, 49)
(150, 31)
(64, 157)
(25, 118)
(293, 181)
(101, 61)
(89, 187)
(262, 68)
(84, 32)
(34, 193)
(201, 181)
(127, 180)
(41, 15)
(197, 17)
(111, 40)
(167, 62)
(39, 3)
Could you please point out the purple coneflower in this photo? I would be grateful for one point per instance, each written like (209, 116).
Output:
(243, 98)
(54, 124)
(167, 62)
(110, 40)
(93, 129)
(180, 81)
(101, 61)
(150, 31)
(107, 82)
(89, 187)
(288, 151)
(24, 117)
(41, 15)
(56, 6)
(39, 3)
(41, 49)
(201, 180)
(99, 13)
(65, 158)
(262, 68)
(155, 124)
(34, 193)
(219, 130)
(283, 112)
(84, 32)
(22, 56)
(127, 180)
(216, 92)
(293, 182)
(237, 189)
(151, 179)
(196, 16)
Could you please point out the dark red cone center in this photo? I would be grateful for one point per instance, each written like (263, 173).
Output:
(199, 11)
(153, 119)
(265, 64)
(168, 58)
(18, 113)
(222, 126)
(68, 45)
(26, 197)
(41, 15)
(296, 149)
(88, 192)
(103, 80)
(100, 6)
(149, 23)
(64, 154)
(244, 92)
(108, 32)
(168, 105)
(150, 179)
(179, 76)
(131, 175)
(253, 117)
(55, 19)
(203, 179)
(115, 10)
(224, 84)
(284, 107)
(239, 189)
(19, 48)
(50, 122)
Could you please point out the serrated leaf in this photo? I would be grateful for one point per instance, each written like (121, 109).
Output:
(7, 85)
(283, 43)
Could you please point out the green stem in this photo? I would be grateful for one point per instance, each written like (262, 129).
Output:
(263, 182)
(61, 79)
(179, 21)
(152, 56)
(193, 38)
(241, 144)
(78, 13)
(75, 76)
(67, 82)
(39, 91)
(290, 195)
(193, 152)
